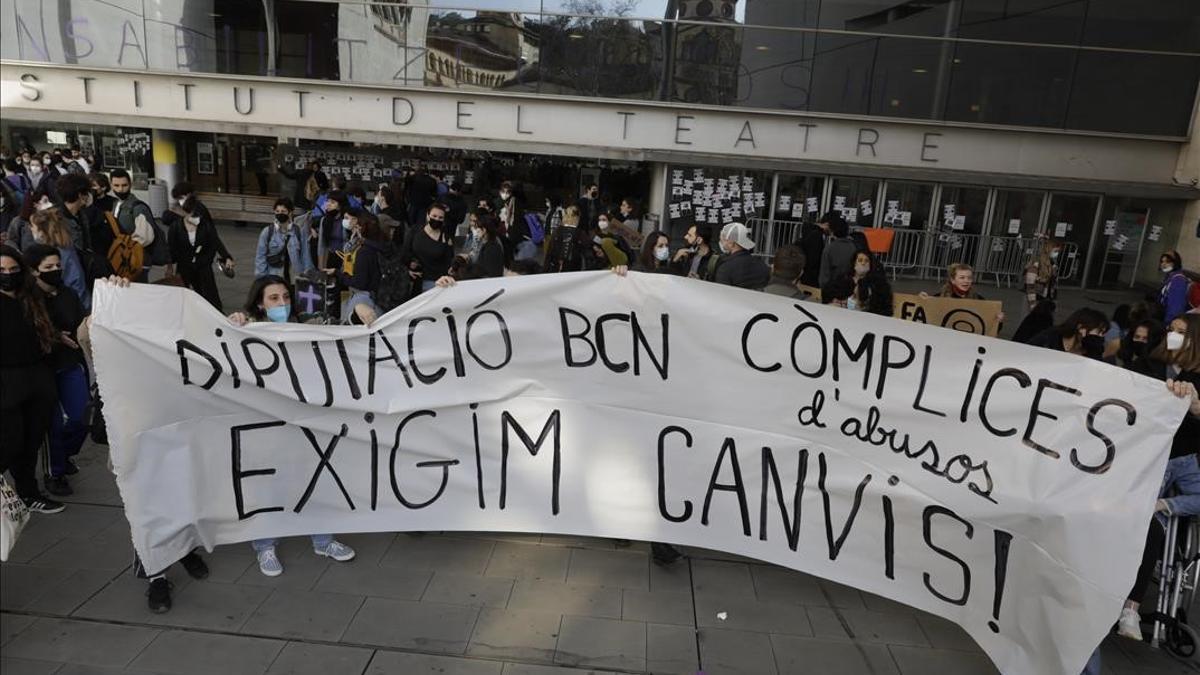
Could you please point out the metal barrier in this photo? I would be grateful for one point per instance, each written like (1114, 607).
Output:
(924, 254)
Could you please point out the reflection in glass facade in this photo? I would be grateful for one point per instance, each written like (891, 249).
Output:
(934, 59)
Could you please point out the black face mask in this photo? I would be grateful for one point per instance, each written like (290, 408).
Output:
(122, 195)
(53, 277)
(281, 218)
(436, 223)
(10, 281)
(1093, 346)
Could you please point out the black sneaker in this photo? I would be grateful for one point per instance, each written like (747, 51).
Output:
(71, 469)
(158, 596)
(42, 504)
(195, 565)
(58, 486)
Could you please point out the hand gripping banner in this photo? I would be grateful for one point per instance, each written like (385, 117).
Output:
(1006, 488)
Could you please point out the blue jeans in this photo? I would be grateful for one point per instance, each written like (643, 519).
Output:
(1093, 664)
(318, 541)
(67, 428)
(427, 285)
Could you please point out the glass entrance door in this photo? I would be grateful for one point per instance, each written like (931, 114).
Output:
(1069, 225)
(960, 222)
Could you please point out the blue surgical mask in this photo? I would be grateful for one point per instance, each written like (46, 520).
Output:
(279, 314)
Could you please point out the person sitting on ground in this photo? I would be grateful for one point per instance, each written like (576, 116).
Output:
(1182, 483)
(837, 257)
(837, 292)
(270, 299)
(697, 260)
(1136, 349)
(960, 284)
(872, 290)
(738, 267)
(1040, 318)
(1082, 333)
(786, 270)
(656, 254)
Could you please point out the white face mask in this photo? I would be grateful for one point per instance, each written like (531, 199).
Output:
(861, 270)
(505, 195)
(1174, 341)
(35, 170)
(182, 201)
(603, 224)
(1166, 269)
(194, 220)
(661, 254)
(45, 204)
(477, 233)
(346, 224)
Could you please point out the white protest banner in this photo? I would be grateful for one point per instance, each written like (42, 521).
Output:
(1006, 488)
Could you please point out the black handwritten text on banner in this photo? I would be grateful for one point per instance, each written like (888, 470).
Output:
(968, 477)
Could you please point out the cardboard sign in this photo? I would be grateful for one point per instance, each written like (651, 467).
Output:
(968, 316)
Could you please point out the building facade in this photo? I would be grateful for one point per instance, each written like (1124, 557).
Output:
(974, 129)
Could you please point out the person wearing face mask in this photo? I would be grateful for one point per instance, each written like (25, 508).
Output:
(512, 220)
(1173, 294)
(429, 250)
(490, 260)
(67, 425)
(367, 245)
(1180, 351)
(656, 254)
(49, 227)
(738, 266)
(195, 243)
(697, 260)
(281, 251)
(1137, 346)
(332, 232)
(569, 244)
(872, 291)
(1082, 333)
(589, 207)
(134, 217)
(27, 390)
(36, 171)
(631, 239)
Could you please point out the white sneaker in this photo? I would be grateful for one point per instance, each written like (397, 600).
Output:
(1130, 624)
(336, 550)
(268, 563)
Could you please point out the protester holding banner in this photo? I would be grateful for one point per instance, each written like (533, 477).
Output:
(67, 425)
(656, 254)
(1180, 351)
(27, 390)
(270, 299)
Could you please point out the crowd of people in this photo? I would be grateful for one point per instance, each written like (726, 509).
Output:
(65, 227)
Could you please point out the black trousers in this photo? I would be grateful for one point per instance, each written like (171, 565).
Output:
(201, 279)
(1150, 557)
(28, 397)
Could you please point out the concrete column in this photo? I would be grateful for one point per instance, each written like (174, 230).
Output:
(1187, 172)
(167, 166)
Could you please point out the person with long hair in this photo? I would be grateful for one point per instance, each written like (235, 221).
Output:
(367, 243)
(1180, 351)
(27, 390)
(568, 244)
(656, 254)
(872, 290)
(270, 300)
(489, 260)
(429, 249)
(1082, 333)
(194, 243)
(49, 227)
(68, 428)
(1137, 346)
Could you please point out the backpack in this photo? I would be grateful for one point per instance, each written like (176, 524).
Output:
(395, 284)
(1193, 293)
(125, 255)
(537, 231)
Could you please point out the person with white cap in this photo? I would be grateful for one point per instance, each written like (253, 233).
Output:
(738, 267)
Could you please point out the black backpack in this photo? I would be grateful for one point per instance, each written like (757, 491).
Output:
(395, 284)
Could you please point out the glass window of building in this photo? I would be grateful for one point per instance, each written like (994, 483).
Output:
(959, 219)
(240, 29)
(1016, 213)
(1070, 223)
(797, 201)
(1002, 84)
(851, 194)
(776, 69)
(1161, 25)
(306, 47)
(714, 196)
(1096, 105)
(1046, 21)
(886, 16)
(909, 204)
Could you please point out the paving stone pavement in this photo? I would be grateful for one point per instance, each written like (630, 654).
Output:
(455, 603)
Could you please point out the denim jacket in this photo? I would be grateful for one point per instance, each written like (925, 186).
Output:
(271, 241)
(1183, 473)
